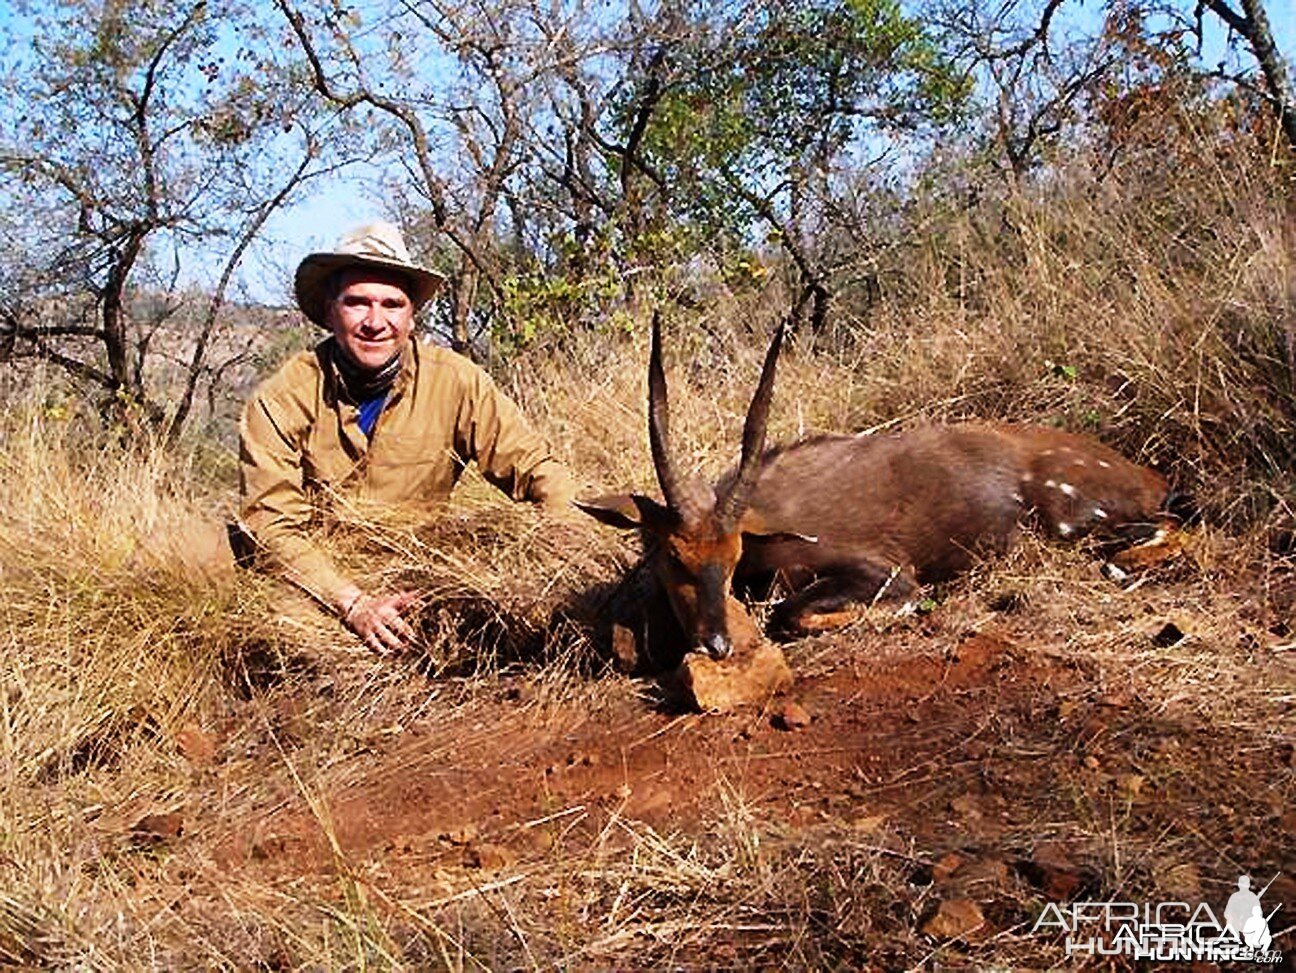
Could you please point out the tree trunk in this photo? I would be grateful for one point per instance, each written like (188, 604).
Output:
(1273, 66)
(463, 289)
(113, 310)
(1253, 25)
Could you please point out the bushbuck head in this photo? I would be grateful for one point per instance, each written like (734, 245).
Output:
(694, 535)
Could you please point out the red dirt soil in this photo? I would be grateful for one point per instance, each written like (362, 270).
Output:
(975, 749)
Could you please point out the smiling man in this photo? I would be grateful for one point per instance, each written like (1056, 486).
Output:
(372, 414)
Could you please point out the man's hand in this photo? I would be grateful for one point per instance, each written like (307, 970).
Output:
(377, 620)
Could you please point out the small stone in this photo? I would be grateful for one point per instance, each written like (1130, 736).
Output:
(197, 747)
(983, 877)
(1131, 785)
(722, 686)
(489, 857)
(1169, 634)
(461, 836)
(956, 919)
(153, 829)
(1051, 870)
(791, 716)
(946, 866)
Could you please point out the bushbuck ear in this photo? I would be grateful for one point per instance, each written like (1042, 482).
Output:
(753, 524)
(615, 510)
(629, 511)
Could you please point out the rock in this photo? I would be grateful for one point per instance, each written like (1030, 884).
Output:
(956, 919)
(153, 829)
(947, 865)
(721, 686)
(984, 877)
(1167, 635)
(197, 747)
(1051, 870)
(791, 716)
(489, 857)
(461, 836)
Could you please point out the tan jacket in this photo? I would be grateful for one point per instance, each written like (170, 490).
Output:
(300, 442)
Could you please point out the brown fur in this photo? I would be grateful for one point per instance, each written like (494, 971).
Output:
(890, 512)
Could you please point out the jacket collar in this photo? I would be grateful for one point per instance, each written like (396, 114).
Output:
(335, 388)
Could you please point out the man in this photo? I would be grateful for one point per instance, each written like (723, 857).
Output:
(373, 415)
(1240, 907)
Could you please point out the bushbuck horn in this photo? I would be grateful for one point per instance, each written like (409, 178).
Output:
(730, 506)
(659, 422)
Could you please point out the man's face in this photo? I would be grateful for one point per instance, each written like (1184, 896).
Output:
(372, 317)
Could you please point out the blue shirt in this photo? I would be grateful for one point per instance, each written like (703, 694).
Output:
(370, 409)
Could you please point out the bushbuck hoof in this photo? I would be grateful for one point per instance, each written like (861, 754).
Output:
(750, 679)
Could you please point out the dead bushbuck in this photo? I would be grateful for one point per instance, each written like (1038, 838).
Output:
(839, 521)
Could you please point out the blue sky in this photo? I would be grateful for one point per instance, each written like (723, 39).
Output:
(335, 205)
(331, 205)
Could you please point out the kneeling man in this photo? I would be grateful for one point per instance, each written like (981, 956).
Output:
(373, 414)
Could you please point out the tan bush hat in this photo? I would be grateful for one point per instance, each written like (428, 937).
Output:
(377, 244)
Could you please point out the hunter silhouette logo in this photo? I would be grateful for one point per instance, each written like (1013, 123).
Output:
(1169, 931)
(1244, 915)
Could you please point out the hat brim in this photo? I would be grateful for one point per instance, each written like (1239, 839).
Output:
(313, 274)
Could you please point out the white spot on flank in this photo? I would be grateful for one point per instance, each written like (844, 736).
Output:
(1066, 530)
(1077, 462)
(1027, 477)
(1051, 484)
(1100, 513)
(1068, 489)
(1047, 452)
(1104, 464)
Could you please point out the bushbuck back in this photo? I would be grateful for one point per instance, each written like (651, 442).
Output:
(843, 520)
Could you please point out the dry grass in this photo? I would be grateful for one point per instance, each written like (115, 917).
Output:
(1155, 316)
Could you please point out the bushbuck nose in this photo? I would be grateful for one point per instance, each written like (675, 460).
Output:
(718, 646)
